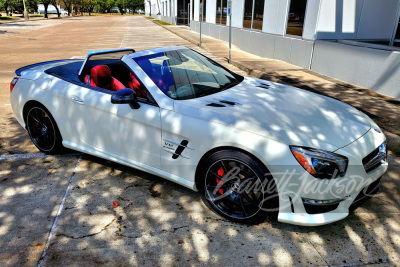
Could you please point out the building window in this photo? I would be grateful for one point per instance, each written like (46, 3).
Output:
(182, 12)
(253, 14)
(258, 14)
(204, 9)
(164, 8)
(248, 12)
(296, 15)
(221, 12)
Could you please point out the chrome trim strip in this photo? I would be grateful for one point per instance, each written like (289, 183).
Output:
(375, 160)
(331, 201)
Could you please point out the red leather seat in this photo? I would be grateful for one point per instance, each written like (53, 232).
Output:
(135, 85)
(100, 76)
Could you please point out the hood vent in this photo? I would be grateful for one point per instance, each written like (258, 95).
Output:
(262, 85)
(212, 104)
(221, 103)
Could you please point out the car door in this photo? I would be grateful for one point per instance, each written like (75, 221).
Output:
(114, 129)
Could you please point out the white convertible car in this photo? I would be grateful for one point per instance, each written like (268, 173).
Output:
(253, 147)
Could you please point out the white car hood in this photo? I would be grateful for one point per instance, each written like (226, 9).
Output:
(283, 113)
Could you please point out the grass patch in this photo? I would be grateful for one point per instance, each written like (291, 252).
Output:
(7, 18)
(161, 22)
(149, 18)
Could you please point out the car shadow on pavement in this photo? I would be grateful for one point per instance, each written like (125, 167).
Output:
(116, 215)
(157, 222)
(14, 139)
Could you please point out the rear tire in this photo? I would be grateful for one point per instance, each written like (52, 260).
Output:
(239, 187)
(43, 130)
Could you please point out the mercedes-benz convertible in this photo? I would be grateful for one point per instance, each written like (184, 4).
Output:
(253, 147)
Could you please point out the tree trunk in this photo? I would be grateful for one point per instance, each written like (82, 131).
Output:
(6, 8)
(45, 10)
(58, 11)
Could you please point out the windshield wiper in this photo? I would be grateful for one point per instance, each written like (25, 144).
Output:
(209, 92)
(227, 86)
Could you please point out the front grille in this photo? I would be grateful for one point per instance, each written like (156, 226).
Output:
(373, 160)
(317, 209)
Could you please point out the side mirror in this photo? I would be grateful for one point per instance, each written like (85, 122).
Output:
(125, 96)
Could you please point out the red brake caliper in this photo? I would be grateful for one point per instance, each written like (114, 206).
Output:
(219, 182)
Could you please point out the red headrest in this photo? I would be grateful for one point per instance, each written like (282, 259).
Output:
(101, 75)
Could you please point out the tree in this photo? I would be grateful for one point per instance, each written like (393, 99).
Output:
(134, 4)
(68, 6)
(32, 4)
(4, 4)
(54, 3)
(46, 4)
(121, 6)
(89, 5)
(11, 5)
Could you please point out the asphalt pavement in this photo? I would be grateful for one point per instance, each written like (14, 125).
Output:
(61, 209)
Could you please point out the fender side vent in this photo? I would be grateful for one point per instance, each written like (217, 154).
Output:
(180, 149)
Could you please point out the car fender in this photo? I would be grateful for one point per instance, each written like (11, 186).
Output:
(48, 91)
(204, 136)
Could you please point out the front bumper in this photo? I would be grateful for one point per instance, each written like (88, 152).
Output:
(354, 188)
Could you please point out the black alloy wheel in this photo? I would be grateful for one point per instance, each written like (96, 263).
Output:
(235, 186)
(43, 130)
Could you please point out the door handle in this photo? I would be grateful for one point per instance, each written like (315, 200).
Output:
(77, 100)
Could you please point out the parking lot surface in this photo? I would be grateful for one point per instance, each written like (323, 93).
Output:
(155, 222)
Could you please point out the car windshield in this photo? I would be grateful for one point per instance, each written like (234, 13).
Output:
(185, 74)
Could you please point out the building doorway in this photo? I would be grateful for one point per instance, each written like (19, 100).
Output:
(183, 12)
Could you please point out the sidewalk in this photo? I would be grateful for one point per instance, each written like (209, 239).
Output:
(384, 110)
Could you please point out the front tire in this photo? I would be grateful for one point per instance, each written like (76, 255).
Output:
(43, 130)
(239, 187)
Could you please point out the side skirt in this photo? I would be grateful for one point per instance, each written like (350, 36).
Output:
(132, 163)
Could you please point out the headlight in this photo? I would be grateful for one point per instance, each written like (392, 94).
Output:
(320, 163)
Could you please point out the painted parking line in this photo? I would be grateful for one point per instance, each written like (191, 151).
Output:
(32, 156)
(102, 40)
(7, 105)
(53, 227)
